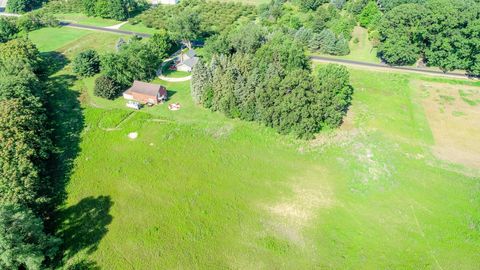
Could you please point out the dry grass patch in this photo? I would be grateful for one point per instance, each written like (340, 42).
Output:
(295, 211)
(453, 114)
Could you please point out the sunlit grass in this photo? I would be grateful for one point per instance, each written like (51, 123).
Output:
(196, 190)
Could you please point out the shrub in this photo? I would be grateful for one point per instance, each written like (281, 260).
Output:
(8, 29)
(86, 63)
(106, 88)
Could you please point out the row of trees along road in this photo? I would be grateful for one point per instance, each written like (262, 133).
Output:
(445, 33)
(26, 191)
(257, 75)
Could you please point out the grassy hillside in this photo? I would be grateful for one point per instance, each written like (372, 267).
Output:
(198, 190)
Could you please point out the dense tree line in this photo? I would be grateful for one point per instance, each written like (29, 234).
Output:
(25, 188)
(113, 9)
(109, 9)
(317, 25)
(444, 33)
(192, 19)
(22, 6)
(267, 78)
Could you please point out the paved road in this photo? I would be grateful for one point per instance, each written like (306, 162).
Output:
(97, 28)
(386, 67)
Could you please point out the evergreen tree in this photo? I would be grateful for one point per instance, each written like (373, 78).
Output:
(200, 81)
(87, 63)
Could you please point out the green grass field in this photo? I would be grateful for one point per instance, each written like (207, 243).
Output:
(196, 190)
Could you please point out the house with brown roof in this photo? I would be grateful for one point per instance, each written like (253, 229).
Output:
(146, 93)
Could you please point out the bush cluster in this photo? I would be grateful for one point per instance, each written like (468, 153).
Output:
(267, 78)
(87, 63)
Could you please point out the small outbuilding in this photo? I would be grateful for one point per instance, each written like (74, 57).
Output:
(146, 93)
(187, 61)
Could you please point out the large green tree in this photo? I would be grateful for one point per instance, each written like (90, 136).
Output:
(87, 63)
(24, 147)
(185, 27)
(401, 34)
(23, 243)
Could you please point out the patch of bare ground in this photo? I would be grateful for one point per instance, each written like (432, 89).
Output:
(453, 113)
(295, 211)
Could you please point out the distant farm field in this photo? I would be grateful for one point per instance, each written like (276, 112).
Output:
(196, 190)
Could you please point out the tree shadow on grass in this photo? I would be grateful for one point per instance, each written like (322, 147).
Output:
(67, 123)
(52, 62)
(83, 226)
(170, 93)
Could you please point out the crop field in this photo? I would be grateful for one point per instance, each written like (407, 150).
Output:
(196, 190)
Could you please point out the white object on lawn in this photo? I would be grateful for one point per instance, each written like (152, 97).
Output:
(174, 106)
(133, 135)
(134, 105)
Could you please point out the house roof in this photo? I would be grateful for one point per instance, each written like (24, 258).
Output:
(148, 89)
(190, 62)
(191, 53)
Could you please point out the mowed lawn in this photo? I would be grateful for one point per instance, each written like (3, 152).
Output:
(196, 190)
